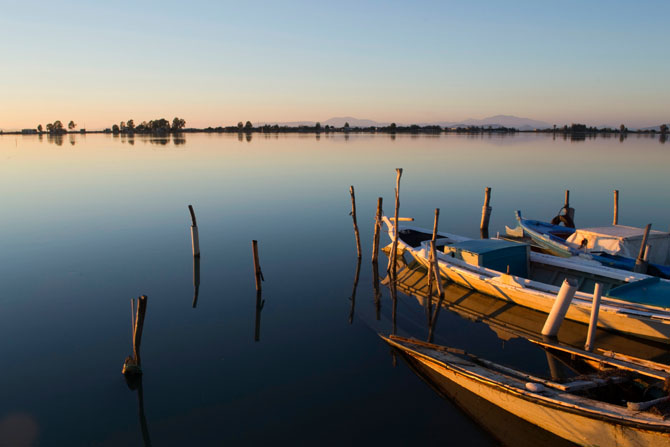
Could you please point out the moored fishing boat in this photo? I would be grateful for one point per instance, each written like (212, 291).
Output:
(588, 410)
(614, 246)
(632, 303)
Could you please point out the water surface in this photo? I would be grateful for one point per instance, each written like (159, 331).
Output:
(97, 220)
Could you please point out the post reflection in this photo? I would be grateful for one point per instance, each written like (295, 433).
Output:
(134, 382)
(196, 280)
(377, 291)
(353, 291)
(260, 302)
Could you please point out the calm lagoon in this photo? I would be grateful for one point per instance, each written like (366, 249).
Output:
(96, 220)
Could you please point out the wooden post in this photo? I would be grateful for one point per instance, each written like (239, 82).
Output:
(570, 212)
(394, 249)
(196, 280)
(560, 308)
(258, 273)
(133, 365)
(593, 322)
(378, 226)
(353, 216)
(195, 240)
(437, 217)
(615, 220)
(486, 214)
(640, 263)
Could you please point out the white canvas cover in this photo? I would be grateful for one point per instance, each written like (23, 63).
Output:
(625, 241)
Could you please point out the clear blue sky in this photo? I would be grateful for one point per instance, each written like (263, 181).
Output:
(213, 63)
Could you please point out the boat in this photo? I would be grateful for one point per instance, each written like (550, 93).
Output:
(599, 409)
(632, 303)
(509, 321)
(613, 246)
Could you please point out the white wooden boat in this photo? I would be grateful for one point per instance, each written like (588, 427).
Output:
(567, 409)
(632, 303)
(510, 321)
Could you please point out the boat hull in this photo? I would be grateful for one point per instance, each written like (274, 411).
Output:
(574, 426)
(579, 311)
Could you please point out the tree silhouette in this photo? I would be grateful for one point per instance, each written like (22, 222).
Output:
(130, 124)
(178, 123)
(346, 125)
(240, 125)
(664, 129)
(622, 128)
(39, 128)
(71, 125)
(248, 125)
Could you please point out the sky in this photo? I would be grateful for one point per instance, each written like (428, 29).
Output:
(219, 62)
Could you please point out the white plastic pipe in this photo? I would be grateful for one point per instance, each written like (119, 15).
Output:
(593, 322)
(560, 308)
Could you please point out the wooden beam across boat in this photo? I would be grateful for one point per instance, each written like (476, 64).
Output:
(644, 367)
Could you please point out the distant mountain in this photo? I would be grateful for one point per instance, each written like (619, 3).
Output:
(499, 121)
(493, 121)
(353, 122)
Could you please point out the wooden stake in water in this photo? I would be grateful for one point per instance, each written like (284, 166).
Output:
(615, 220)
(195, 240)
(394, 249)
(378, 227)
(486, 214)
(133, 365)
(593, 322)
(437, 217)
(640, 263)
(434, 272)
(353, 217)
(258, 274)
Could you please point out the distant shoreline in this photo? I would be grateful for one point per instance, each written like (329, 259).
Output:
(426, 130)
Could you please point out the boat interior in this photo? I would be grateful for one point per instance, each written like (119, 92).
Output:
(514, 258)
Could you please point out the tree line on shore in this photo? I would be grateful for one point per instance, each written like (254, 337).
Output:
(163, 126)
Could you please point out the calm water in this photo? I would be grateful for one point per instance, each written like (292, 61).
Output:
(97, 220)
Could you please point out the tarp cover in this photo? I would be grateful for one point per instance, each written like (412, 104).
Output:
(624, 241)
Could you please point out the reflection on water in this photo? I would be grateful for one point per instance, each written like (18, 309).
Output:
(510, 321)
(101, 221)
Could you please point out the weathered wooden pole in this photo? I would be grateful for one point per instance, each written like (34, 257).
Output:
(378, 227)
(353, 291)
(394, 249)
(593, 322)
(133, 365)
(437, 217)
(486, 214)
(570, 212)
(640, 262)
(615, 220)
(258, 273)
(195, 240)
(353, 216)
(196, 280)
(560, 308)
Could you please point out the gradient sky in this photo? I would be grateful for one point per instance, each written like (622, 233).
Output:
(216, 63)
